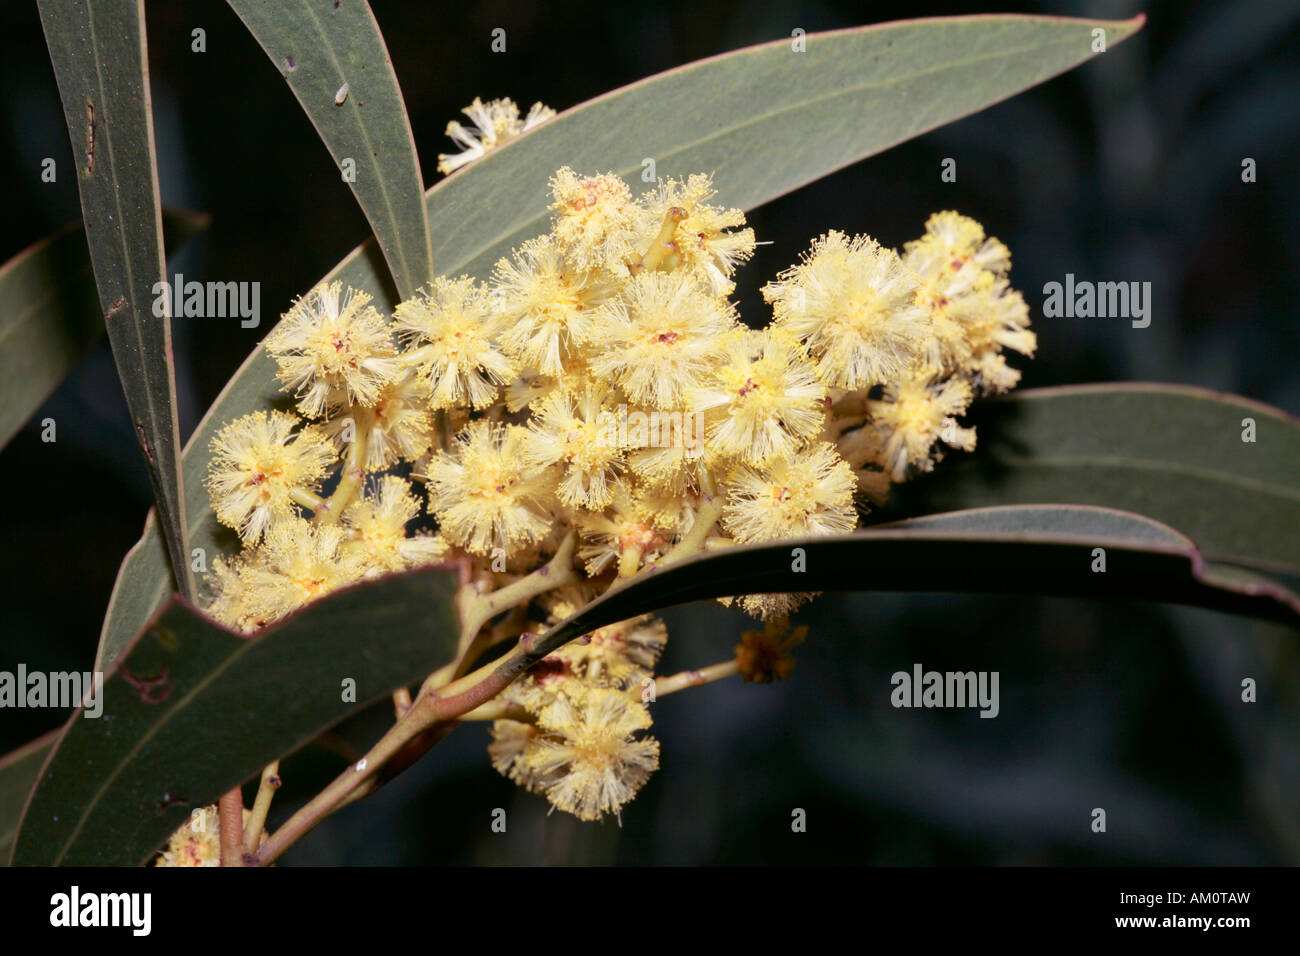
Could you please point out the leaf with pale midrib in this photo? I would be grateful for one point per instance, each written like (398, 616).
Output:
(193, 709)
(331, 46)
(18, 773)
(98, 53)
(1172, 453)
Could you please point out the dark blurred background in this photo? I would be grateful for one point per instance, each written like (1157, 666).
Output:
(1128, 168)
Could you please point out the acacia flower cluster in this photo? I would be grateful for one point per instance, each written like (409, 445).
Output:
(474, 426)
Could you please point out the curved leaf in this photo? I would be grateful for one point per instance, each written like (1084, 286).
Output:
(1173, 453)
(766, 119)
(1037, 550)
(334, 59)
(98, 52)
(50, 315)
(115, 787)
(790, 118)
(18, 773)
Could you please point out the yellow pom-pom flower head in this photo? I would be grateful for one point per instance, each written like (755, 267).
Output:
(589, 749)
(661, 339)
(299, 562)
(333, 348)
(260, 467)
(400, 426)
(579, 434)
(915, 418)
(594, 218)
(482, 494)
(853, 304)
(769, 401)
(707, 241)
(450, 329)
(491, 124)
(378, 523)
(546, 305)
(808, 494)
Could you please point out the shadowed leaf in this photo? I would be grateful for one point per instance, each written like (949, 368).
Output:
(187, 690)
(1013, 550)
(18, 773)
(50, 315)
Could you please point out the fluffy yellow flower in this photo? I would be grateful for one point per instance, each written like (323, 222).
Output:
(915, 416)
(619, 655)
(401, 428)
(580, 435)
(482, 495)
(379, 522)
(546, 305)
(230, 600)
(853, 304)
(625, 534)
(509, 750)
(589, 749)
(259, 468)
(660, 341)
(953, 242)
(1002, 321)
(973, 313)
(333, 348)
(707, 241)
(809, 494)
(450, 328)
(492, 124)
(594, 218)
(771, 402)
(297, 563)
(198, 842)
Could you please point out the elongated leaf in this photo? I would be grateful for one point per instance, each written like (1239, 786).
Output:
(193, 709)
(334, 59)
(766, 119)
(1172, 453)
(50, 315)
(98, 52)
(853, 93)
(1013, 550)
(18, 773)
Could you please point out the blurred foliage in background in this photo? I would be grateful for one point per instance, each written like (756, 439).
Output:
(1124, 170)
